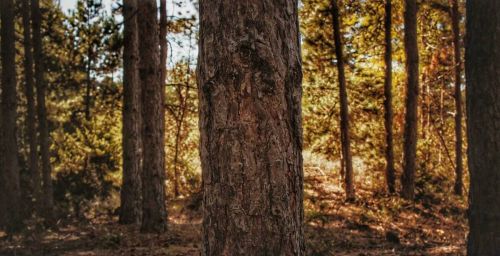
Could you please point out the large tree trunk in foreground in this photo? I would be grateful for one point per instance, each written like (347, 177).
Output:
(482, 67)
(249, 79)
(154, 214)
(455, 20)
(31, 133)
(41, 86)
(344, 105)
(130, 209)
(10, 190)
(390, 173)
(410, 130)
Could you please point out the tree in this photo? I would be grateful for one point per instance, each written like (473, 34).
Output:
(455, 22)
(130, 210)
(249, 80)
(10, 189)
(482, 52)
(410, 129)
(31, 133)
(344, 105)
(154, 213)
(388, 114)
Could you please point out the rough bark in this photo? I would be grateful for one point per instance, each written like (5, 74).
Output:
(31, 133)
(41, 87)
(249, 80)
(388, 115)
(163, 41)
(130, 209)
(154, 215)
(455, 21)
(482, 68)
(344, 105)
(411, 122)
(10, 189)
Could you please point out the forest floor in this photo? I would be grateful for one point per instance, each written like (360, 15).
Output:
(376, 224)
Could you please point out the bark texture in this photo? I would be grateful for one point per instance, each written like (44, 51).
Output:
(154, 214)
(41, 87)
(390, 173)
(455, 21)
(130, 209)
(344, 104)
(249, 80)
(10, 189)
(411, 122)
(31, 133)
(482, 67)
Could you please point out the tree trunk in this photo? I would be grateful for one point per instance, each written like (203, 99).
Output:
(388, 115)
(130, 211)
(163, 41)
(10, 189)
(41, 87)
(31, 133)
(455, 20)
(154, 215)
(249, 80)
(344, 105)
(482, 52)
(410, 130)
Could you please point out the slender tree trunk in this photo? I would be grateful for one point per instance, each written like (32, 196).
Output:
(249, 80)
(154, 215)
(43, 128)
(10, 189)
(31, 133)
(410, 130)
(455, 20)
(482, 68)
(344, 105)
(163, 41)
(388, 115)
(130, 211)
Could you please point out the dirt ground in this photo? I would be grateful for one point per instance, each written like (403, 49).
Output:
(373, 225)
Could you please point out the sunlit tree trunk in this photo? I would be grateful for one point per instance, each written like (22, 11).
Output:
(455, 19)
(31, 133)
(482, 68)
(10, 190)
(410, 130)
(154, 215)
(388, 115)
(344, 105)
(249, 80)
(130, 211)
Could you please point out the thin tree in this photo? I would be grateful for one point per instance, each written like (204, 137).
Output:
(10, 189)
(41, 87)
(249, 80)
(154, 214)
(455, 21)
(410, 129)
(482, 69)
(388, 115)
(31, 133)
(130, 210)
(344, 104)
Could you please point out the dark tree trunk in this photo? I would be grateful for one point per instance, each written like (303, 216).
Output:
(10, 189)
(249, 80)
(388, 115)
(482, 68)
(31, 133)
(410, 130)
(154, 215)
(455, 21)
(130, 211)
(344, 105)
(41, 86)
(163, 41)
